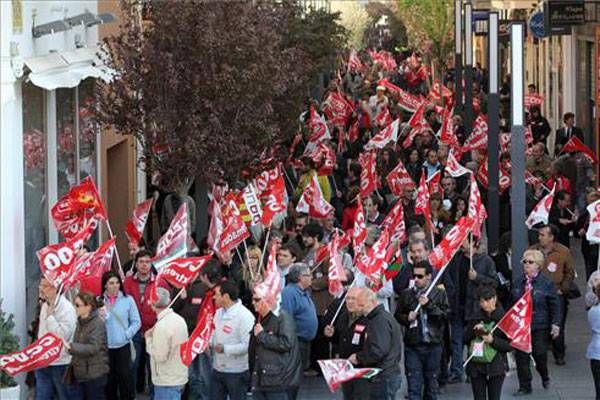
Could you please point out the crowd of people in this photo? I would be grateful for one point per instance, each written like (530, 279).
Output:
(126, 338)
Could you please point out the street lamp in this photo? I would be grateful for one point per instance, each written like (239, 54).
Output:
(458, 56)
(517, 151)
(468, 69)
(493, 226)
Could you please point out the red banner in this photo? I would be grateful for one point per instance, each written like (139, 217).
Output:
(275, 201)
(384, 136)
(383, 118)
(200, 337)
(183, 271)
(399, 178)
(93, 264)
(135, 226)
(478, 138)
(441, 255)
(337, 109)
(38, 354)
(374, 261)
(516, 323)
(394, 222)
(368, 175)
(576, 145)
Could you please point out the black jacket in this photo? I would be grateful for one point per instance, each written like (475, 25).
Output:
(274, 355)
(89, 349)
(349, 333)
(546, 309)
(382, 347)
(498, 366)
(189, 307)
(561, 135)
(436, 310)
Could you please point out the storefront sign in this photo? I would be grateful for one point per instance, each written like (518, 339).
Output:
(480, 22)
(536, 24)
(561, 15)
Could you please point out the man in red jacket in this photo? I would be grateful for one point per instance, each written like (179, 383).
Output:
(139, 286)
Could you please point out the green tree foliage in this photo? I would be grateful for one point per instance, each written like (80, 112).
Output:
(9, 343)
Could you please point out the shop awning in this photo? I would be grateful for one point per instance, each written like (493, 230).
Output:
(66, 69)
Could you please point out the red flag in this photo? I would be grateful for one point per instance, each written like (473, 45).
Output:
(482, 173)
(338, 371)
(354, 63)
(541, 211)
(368, 174)
(318, 127)
(92, 265)
(477, 211)
(359, 232)
(446, 132)
(38, 354)
(335, 273)
(249, 206)
(375, 260)
(394, 222)
(478, 138)
(422, 200)
(441, 255)
(234, 230)
(454, 168)
(183, 271)
(275, 201)
(593, 230)
(57, 260)
(532, 179)
(354, 132)
(439, 91)
(200, 337)
(312, 201)
(408, 140)
(533, 99)
(434, 183)
(516, 323)
(337, 109)
(135, 226)
(398, 178)
(418, 117)
(325, 157)
(173, 243)
(383, 118)
(264, 181)
(576, 145)
(407, 101)
(269, 290)
(72, 212)
(384, 136)
(504, 180)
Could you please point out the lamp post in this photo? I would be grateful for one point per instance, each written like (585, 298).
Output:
(458, 56)
(468, 69)
(493, 200)
(517, 151)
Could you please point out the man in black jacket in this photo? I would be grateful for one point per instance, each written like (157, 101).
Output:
(348, 332)
(424, 332)
(568, 131)
(381, 348)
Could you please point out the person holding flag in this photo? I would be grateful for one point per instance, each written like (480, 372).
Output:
(545, 322)
(487, 367)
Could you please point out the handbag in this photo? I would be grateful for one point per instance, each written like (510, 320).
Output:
(482, 352)
(131, 345)
(573, 292)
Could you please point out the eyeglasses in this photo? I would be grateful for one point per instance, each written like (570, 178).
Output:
(528, 261)
(419, 276)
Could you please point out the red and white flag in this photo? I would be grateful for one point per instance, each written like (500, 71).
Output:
(446, 132)
(373, 262)
(454, 168)
(504, 180)
(200, 337)
(384, 136)
(593, 230)
(275, 201)
(134, 230)
(173, 243)
(532, 179)
(183, 271)
(335, 273)
(353, 132)
(337, 109)
(407, 101)
(324, 157)
(516, 323)
(576, 145)
(38, 354)
(354, 63)
(399, 178)
(75, 209)
(394, 222)
(541, 211)
(383, 118)
(265, 180)
(418, 117)
(422, 206)
(312, 201)
(477, 210)
(478, 138)
(533, 99)
(338, 371)
(93, 264)
(368, 174)
(359, 231)
(434, 183)
(441, 254)
(318, 127)
(249, 206)
(269, 290)
(482, 173)
(57, 260)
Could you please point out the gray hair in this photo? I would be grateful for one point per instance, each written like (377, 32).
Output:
(164, 298)
(296, 270)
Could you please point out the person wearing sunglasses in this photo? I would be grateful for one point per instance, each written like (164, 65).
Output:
(424, 332)
(545, 320)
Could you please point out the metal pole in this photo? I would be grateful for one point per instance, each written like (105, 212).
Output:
(519, 230)
(458, 57)
(468, 115)
(493, 199)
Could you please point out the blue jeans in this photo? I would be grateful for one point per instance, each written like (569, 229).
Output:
(167, 392)
(50, 380)
(200, 376)
(140, 351)
(385, 388)
(264, 395)
(456, 338)
(422, 364)
(230, 384)
(90, 390)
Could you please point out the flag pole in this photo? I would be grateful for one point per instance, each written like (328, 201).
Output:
(112, 236)
(176, 297)
(242, 259)
(260, 265)
(337, 312)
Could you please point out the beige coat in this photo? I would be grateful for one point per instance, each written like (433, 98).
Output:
(162, 343)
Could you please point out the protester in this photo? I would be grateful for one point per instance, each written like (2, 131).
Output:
(487, 371)
(169, 374)
(89, 350)
(122, 323)
(274, 355)
(57, 316)
(588, 249)
(545, 321)
(593, 349)
(233, 324)
(562, 217)
(424, 332)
